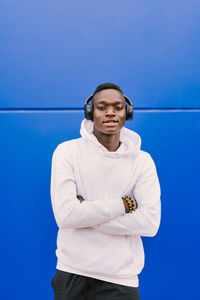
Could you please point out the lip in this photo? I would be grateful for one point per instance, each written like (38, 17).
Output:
(110, 121)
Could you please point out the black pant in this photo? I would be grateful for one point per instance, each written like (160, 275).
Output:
(68, 286)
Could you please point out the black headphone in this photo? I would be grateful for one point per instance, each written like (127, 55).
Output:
(88, 109)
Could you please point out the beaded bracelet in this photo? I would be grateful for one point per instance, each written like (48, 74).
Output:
(132, 203)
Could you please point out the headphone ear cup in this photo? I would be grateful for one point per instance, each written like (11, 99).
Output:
(88, 110)
(129, 112)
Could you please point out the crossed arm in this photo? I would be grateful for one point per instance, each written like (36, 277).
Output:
(110, 217)
(145, 220)
(126, 206)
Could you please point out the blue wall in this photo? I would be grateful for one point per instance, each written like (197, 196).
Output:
(53, 55)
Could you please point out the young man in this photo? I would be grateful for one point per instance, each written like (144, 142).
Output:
(105, 195)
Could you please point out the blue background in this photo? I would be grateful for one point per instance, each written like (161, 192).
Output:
(53, 54)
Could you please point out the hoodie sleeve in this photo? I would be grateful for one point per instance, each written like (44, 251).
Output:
(68, 211)
(145, 220)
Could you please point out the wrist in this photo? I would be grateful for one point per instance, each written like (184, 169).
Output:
(130, 203)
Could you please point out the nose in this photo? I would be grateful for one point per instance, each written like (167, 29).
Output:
(110, 111)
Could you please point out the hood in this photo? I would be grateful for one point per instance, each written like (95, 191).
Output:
(130, 140)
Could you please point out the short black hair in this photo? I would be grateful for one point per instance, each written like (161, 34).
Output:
(106, 86)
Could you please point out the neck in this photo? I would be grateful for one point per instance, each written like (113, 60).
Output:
(110, 141)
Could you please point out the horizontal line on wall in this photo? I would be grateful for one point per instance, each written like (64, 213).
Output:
(74, 110)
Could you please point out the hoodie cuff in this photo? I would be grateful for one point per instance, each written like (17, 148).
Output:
(117, 207)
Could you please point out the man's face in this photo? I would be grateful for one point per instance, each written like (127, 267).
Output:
(109, 113)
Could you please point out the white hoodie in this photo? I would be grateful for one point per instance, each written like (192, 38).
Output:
(96, 238)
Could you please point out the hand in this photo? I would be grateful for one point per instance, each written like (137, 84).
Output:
(80, 198)
(126, 206)
(130, 203)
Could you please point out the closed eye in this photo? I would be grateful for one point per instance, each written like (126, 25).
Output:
(101, 107)
(119, 107)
